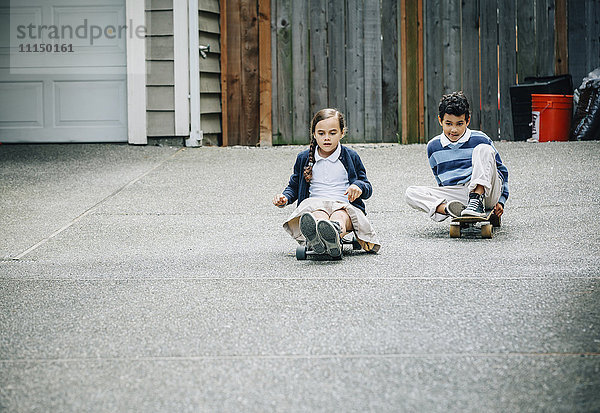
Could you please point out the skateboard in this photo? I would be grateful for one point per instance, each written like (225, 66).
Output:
(488, 223)
(304, 251)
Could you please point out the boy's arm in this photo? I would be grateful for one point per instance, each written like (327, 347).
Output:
(433, 164)
(291, 191)
(361, 179)
(504, 173)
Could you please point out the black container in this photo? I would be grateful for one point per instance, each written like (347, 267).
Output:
(520, 99)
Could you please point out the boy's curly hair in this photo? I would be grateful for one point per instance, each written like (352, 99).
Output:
(456, 104)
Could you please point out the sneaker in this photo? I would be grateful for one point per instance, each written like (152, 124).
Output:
(455, 208)
(308, 227)
(475, 207)
(329, 231)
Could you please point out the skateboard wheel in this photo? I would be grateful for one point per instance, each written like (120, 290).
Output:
(486, 230)
(455, 230)
(300, 252)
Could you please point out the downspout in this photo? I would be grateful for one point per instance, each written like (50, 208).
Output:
(196, 134)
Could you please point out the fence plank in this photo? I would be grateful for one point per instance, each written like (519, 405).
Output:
(249, 122)
(544, 39)
(337, 55)
(264, 66)
(470, 57)
(284, 72)
(451, 50)
(233, 74)
(421, 72)
(507, 64)
(560, 28)
(318, 56)
(372, 36)
(577, 37)
(224, 73)
(300, 70)
(410, 75)
(433, 64)
(489, 68)
(593, 36)
(403, 73)
(355, 98)
(526, 40)
(274, 84)
(389, 93)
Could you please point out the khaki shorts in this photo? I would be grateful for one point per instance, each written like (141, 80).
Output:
(363, 231)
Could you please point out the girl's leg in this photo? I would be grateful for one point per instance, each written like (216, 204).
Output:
(342, 217)
(320, 214)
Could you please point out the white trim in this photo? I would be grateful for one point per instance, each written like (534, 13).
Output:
(196, 134)
(181, 67)
(136, 74)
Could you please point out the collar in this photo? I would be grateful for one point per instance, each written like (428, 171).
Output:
(331, 158)
(445, 141)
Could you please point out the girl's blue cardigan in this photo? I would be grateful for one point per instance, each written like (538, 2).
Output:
(297, 188)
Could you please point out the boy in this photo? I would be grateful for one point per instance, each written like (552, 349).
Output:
(470, 175)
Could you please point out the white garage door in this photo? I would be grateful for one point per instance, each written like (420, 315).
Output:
(63, 79)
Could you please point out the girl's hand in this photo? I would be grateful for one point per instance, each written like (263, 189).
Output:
(280, 200)
(353, 192)
(498, 210)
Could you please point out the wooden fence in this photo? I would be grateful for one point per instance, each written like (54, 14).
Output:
(386, 63)
(330, 53)
(483, 47)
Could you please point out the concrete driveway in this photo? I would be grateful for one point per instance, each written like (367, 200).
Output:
(159, 278)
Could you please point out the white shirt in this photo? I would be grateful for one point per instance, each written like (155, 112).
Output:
(329, 177)
(445, 141)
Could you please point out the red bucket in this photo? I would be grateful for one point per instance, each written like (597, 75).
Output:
(551, 117)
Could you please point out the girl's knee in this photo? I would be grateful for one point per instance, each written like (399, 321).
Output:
(339, 214)
(320, 214)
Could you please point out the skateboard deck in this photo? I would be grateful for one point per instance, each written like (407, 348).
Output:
(488, 223)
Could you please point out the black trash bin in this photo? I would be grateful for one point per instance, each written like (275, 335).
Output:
(520, 99)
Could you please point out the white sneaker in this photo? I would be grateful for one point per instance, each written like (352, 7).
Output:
(455, 208)
(308, 227)
(329, 231)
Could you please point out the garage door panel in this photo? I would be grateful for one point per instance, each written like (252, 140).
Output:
(90, 103)
(64, 97)
(4, 33)
(103, 26)
(22, 105)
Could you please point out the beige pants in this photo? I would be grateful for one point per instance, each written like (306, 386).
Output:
(485, 173)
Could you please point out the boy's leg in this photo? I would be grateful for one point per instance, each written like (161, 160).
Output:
(485, 179)
(433, 200)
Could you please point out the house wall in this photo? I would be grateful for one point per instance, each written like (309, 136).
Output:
(210, 71)
(160, 67)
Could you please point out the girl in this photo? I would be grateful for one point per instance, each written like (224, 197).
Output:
(330, 183)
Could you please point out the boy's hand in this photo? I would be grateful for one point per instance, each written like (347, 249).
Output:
(353, 192)
(498, 210)
(280, 200)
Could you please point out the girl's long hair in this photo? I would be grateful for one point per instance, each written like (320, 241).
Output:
(319, 116)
